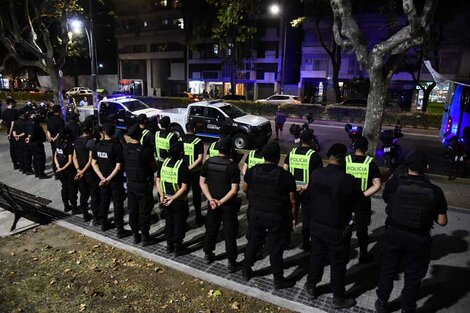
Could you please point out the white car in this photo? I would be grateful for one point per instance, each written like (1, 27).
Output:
(280, 99)
(79, 91)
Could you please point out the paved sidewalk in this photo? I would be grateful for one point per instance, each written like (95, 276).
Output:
(445, 288)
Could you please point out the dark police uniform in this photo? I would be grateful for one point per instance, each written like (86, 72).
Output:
(163, 140)
(23, 150)
(302, 162)
(212, 151)
(221, 173)
(333, 194)
(107, 153)
(88, 183)
(364, 169)
(173, 174)
(55, 124)
(193, 147)
(140, 167)
(10, 116)
(69, 190)
(147, 138)
(36, 142)
(269, 187)
(74, 130)
(413, 203)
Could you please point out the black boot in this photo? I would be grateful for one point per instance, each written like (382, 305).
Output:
(106, 225)
(310, 291)
(137, 238)
(179, 250)
(247, 273)
(76, 210)
(209, 258)
(380, 306)
(67, 207)
(170, 247)
(343, 302)
(121, 232)
(233, 266)
(281, 283)
(148, 240)
(87, 216)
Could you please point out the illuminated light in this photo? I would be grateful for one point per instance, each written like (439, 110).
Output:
(76, 26)
(275, 9)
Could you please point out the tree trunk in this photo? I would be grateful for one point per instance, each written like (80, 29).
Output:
(336, 63)
(75, 74)
(375, 105)
(426, 93)
(56, 82)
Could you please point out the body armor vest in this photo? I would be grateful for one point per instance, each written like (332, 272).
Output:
(254, 160)
(412, 205)
(265, 194)
(218, 180)
(299, 165)
(81, 151)
(104, 150)
(189, 151)
(162, 145)
(135, 169)
(169, 176)
(359, 170)
(212, 150)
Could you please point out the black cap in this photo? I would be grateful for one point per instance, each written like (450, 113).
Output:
(65, 133)
(165, 122)
(361, 143)
(417, 160)
(176, 149)
(224, 145)
(142, 118)
(338, 151)
(306, 136)
(135, 132)
(271, 152)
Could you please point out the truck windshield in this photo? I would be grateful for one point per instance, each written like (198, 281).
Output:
(232, 111)
(135, 105)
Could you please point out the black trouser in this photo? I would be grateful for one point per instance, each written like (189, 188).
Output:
(227, 214)
(113, 190)
(69, 186)
(13, 155)
(415, 251)
(23, 153)
(196, 188)
(175, 221)
(140, 205)
(88, 187)
(362, 218)
(334, 244)
(303, 201)
(39, 157)
(275, 226)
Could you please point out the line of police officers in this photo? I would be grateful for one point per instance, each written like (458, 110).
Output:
(333, 200)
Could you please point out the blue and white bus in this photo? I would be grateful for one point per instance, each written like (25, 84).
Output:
(456, 115)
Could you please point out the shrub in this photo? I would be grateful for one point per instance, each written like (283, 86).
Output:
(345, 114)
(26, 96)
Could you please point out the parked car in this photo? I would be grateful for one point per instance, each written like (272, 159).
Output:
(190, 96)
(125, 110)
(209, 116)
(79, 91)
(354, 102)
(280, 99)
(234, 97)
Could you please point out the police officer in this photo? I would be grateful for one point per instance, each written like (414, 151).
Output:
(301, 162)
(86, 177)
(220, 179)
(22, 149)
(66, 172)
(193, 157)
(413, 205)
(271, 191)
(255, 156)
(107, 163)
(225, 131)
(9, 117)
(147, 136)
(173, 184)
(140, 166)
(163, 139)
(74, 127)
(36, 138)
(333, 195)
(367, 174)
(54, 126)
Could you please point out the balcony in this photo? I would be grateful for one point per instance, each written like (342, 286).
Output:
(246, 75)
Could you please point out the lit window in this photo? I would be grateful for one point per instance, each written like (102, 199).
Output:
(145, 24)
(181, 23)
(163, 3)
(164, 22)
(216, 49)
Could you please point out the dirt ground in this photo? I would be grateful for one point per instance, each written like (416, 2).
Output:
(52, 269)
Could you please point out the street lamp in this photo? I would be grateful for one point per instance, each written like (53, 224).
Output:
(77, 26)
(275, 10)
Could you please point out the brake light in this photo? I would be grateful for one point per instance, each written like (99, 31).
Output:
(449, 125)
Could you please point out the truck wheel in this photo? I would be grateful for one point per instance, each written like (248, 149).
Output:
(240, 141)
(178, 130)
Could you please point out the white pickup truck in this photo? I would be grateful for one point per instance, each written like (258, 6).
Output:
(209, 116)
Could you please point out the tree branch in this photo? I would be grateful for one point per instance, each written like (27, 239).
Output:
(408, 44)
(391, 43)
(320, 38)
(410, 11)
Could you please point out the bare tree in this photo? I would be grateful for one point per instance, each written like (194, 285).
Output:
(380, 60)
(35, 35)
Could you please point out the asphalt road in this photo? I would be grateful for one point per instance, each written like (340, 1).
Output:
(428, 141)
